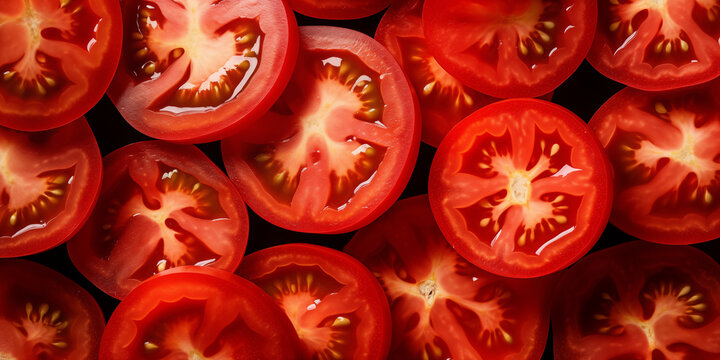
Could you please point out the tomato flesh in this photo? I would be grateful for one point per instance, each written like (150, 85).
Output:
(338, 9)
(639, 301)
(444, 307)
(520, 188)
(664, 150)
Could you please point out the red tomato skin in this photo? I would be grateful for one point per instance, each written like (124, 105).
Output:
(338, 9)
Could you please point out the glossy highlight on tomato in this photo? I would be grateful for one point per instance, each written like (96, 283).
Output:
(339, 9)
(199, 70)
(162, 205)
(519, 48)
(195, 312)
(657, 45)
(49, 183)
(443, 307)
(521, 188)
(340, 144)
(44, 315)
(337, 307)
(664, 149)
(639, 300)
(57, 59)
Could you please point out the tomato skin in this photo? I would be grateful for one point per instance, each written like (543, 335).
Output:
(662, 146)
(338, 9)
(482, 209)
(424, 278)
(306, 147)
(160, 203)
(357, 292)
(506, 49)
(639, 300)
(83, 79)
(137, 101)
(262, 330)
(79, 323)
(71, 150)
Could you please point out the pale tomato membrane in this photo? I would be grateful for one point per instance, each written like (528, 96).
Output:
(521, 188)
(57, 61)
(183, 60)
(657, 45)
(444, 307)
(667, 163)
(640, 301)
(510, 49)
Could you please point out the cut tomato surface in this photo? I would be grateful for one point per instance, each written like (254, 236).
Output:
(657, 45)
(519, 48)
(44, 315)
(337, 307)
(340, 144)
(57, 59)
(339, 9)
(442, 306)
(162, 205)
(521, 188)
(665, 152)
(195, 312)
(50, 181)
(200, 70)
(639, 301)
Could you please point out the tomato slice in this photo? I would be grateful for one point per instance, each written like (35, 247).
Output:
(195, 312)
(521, 188)
(657, 45)
(339, 9)
(162, 205)
(50, 181)
(44, 315)
(57, 60)
(519, 48)
(664, 149)
(346, 138)
(337, 307)
(639, 300)
(200, 70)
(442, 306)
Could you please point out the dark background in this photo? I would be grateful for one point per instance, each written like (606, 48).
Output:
(583, 93)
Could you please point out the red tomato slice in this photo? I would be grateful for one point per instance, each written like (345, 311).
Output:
(201, 70)
(346, 138)
(657, 45)
(44, 315)
(639, 301)
(57, 59)
(337, 307)
(50, 181)
(521, 188)
(339, 9)
(162, 205)
(442, 306)
(664, 149)
(194, 312)
(518, 48)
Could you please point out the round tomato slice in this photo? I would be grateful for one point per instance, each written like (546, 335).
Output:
(519, 48)
(346, 137)
(162, 205)
(337, 307)
(49, 183)
(44, 315)
(657, 45)
(57, 59)
(339, 9)
(639, 301)
(664, 149)
(521, 188)
(200, 70)
(194, 312)
(442, 306)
